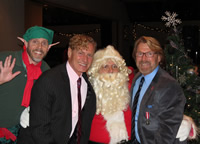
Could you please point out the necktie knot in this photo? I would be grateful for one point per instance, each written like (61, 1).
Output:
(79, 82)
(141, 82)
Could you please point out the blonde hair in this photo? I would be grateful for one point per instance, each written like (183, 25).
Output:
(80, 41)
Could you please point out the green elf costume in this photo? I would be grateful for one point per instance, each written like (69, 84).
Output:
(15, 94)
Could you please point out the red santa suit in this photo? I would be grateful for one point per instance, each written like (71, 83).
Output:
(99, 131)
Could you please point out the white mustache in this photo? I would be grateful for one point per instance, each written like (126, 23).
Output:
(109, 76)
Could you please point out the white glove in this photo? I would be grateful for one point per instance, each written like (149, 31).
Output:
(24, 118)
(184, 130)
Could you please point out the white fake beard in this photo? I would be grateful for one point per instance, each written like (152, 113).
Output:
(112, 92)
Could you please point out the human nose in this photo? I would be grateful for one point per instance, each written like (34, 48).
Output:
(110, 70)
(144, 56)
(39, 45)
(85, 58)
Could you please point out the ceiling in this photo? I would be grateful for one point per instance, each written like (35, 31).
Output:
(60, 16)
(152, 10)
(138, 11)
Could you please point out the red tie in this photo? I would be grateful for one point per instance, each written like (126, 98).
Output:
(79, 111)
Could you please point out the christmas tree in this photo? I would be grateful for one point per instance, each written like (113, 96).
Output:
(181, 67)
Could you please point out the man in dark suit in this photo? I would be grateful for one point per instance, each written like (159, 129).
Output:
(157, 112)
(54, 104)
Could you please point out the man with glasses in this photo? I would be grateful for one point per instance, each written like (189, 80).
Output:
(158, 105)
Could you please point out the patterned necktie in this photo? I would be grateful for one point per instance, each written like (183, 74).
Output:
(134, 106)
(79, 111)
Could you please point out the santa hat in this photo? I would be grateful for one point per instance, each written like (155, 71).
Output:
(107, 53)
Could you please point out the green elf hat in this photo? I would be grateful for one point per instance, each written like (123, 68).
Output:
(39, 32)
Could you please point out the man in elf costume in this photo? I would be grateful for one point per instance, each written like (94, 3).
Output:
(17, 77)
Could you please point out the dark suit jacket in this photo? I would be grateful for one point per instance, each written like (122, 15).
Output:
(165, 101)
(51, 108)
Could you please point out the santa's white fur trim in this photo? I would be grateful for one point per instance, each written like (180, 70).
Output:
(116, 127)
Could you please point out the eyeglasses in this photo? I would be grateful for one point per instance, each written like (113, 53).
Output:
(147, 54)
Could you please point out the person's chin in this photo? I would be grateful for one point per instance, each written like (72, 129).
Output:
(37, 60)
(83, 68)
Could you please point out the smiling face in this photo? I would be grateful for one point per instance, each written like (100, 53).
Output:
(80, 59)
(146, 64)
(37, 49)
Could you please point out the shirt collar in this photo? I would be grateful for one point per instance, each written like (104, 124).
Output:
(150, 76)
(72, 74)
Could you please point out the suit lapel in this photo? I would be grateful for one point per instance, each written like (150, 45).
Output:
(67, 92)
(89, 93)
(66, 83)
(151, 88)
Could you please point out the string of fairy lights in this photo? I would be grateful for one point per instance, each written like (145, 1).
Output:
(69, 35)
(131, 30)
(128, 31)
(139, 25)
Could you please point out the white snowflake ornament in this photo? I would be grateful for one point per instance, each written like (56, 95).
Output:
(171, 19)
(182, 79)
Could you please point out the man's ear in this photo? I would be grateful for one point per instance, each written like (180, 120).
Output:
(53, 44)
(69, 52)
(24, 41)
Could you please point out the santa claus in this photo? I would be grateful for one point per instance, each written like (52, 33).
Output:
(109, 77)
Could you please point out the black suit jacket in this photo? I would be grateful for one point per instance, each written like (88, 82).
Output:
(165, 101)
(51, 108)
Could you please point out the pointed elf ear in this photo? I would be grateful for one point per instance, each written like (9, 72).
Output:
(23, 40)
(53, 44)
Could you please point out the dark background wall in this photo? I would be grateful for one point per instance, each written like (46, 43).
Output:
(114, 19)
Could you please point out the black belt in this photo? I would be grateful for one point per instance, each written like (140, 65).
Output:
(121, 142)
(133, 142)
(91, 142)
